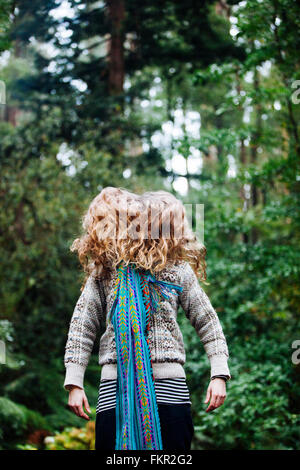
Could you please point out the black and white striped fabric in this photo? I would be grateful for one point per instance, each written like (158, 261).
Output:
(168, 391)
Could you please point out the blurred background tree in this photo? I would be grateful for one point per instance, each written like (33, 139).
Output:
(199, 98)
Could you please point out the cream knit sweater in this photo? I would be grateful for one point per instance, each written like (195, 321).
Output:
(165, 337)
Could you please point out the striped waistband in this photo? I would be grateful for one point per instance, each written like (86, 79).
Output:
(168, 391)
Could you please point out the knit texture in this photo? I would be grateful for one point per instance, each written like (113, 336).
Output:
(164, 336)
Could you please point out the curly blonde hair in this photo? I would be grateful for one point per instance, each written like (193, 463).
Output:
(147, 230)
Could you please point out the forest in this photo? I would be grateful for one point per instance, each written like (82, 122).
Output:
(196, 97)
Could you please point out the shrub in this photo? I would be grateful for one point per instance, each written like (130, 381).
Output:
(73, 439)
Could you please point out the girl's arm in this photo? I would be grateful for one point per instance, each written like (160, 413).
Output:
(204, 319)
(85, 323)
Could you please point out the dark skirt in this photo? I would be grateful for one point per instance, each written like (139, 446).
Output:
(176, 423)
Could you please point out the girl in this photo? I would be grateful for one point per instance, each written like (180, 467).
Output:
(142, 261)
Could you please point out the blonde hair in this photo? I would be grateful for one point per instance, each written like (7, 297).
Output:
(148, 230)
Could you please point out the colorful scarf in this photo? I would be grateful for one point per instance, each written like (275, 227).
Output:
(136, 297)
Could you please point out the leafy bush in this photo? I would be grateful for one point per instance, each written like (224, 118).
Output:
(255, 414)
(73, 439)
(17, 421)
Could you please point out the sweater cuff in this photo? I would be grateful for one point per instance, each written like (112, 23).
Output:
(74, 374)
(219, 366)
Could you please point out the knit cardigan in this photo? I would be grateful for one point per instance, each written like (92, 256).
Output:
(165, 337)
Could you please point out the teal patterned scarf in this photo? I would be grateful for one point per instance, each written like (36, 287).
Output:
(136, 298)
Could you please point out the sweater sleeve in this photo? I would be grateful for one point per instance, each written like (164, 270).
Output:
(84, 325)
(204, 319)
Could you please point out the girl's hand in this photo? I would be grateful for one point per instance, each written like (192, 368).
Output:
(216, 394)
(77, 398)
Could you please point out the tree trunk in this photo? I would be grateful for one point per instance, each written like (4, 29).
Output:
(116, 12)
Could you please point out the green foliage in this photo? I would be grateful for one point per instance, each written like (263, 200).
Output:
(255, 415)
(17, 421)
(73, 439)
(65, 135)
(6, 8)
